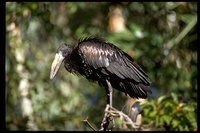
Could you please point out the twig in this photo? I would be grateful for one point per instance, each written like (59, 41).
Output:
(111, 112)
(106, 120)
(87, 122)
(116, 113)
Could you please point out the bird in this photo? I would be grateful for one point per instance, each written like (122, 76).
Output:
(104, 63)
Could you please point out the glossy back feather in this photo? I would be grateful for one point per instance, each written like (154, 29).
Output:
(100, 60)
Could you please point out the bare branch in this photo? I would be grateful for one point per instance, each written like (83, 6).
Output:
(126, 119)
(87, 122)
(106, 120)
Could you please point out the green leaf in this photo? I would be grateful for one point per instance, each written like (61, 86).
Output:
(167, 118)
(152, 114)
(187, 17)
(175, 98)
(175, 123)
(161, 99)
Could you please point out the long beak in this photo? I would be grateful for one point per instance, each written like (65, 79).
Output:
(56, 65)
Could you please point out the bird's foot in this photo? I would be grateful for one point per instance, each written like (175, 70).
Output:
(111, 118)
(107, 119)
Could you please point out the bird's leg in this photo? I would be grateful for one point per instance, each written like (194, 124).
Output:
(110, 89)
(109, 94)
(107, 118)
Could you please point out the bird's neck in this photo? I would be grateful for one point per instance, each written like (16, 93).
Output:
(71, 63)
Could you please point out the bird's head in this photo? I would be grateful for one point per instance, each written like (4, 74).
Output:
(63, 51)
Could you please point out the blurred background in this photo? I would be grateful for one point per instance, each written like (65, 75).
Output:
(160, 36)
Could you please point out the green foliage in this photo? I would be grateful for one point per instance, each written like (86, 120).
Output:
(171, 113)
(160, 36)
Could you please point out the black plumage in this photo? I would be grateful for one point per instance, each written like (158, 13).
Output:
(103, 62)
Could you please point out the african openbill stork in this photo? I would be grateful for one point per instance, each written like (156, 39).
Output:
(105, 63)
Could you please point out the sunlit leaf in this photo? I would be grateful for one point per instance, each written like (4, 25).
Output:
(161, 99)
(174, 97)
